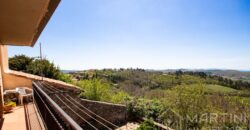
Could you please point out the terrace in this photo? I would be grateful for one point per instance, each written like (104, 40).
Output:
(57, 107)
(55, 104)
(23, 117)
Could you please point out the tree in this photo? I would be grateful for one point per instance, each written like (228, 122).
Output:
(34, 66)
(44, 68)
(147, 125)
(20, 63)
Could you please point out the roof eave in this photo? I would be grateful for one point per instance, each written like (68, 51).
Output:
(51, 9)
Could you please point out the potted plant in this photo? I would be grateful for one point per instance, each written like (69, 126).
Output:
(8, 106)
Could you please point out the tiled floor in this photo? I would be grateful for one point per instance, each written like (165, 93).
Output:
(34, 121)
(15, 120)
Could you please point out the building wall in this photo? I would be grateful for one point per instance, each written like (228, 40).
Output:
(9, 80)
(1, 84)
(12, 79)
(1, 96)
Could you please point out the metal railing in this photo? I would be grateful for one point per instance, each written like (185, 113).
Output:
(52, 115)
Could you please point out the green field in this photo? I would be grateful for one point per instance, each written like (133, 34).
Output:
(220, 89)
(247, 99)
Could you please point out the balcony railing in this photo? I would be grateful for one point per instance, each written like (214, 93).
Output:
(52, 115)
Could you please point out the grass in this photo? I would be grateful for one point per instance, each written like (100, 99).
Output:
(246, 79)
(247, 99)
(209, 88)
(219, 89)
(226, 90)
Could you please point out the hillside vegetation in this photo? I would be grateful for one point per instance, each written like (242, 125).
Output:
(178, 99)
(232, 74)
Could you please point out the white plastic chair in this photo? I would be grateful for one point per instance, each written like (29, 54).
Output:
(22, 94)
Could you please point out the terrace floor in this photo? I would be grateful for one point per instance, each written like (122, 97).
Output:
(15, 120)
(23, 118)
(33, 118)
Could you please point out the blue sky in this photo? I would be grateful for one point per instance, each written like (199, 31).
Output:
(150, 34)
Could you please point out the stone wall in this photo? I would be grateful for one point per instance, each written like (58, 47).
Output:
(114, 113)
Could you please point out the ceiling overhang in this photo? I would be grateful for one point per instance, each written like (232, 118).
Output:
(22, 21)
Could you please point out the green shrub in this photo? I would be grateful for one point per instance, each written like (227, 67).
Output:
(95, 89)
(145, 108)
(147, 125)
(66, 78)
(120, 97)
